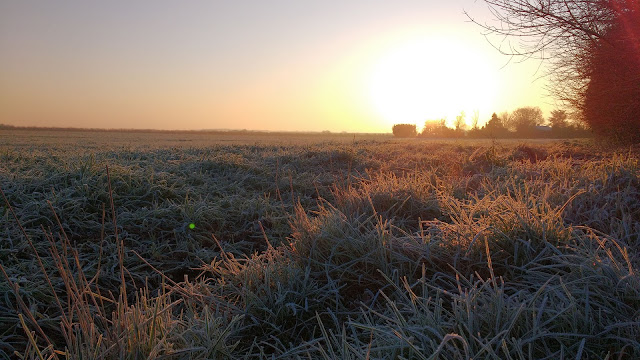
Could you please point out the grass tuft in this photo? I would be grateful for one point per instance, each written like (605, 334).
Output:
(368, 249)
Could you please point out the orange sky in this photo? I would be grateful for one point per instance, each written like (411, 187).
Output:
(278, 65)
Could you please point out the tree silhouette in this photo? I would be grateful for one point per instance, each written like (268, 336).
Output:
(612, 97)
(474, 119)
(494, 127)
(404, 130)
(460, 124)
(526, 119)
(558, 119)
(438, 128)
(592, 47)
(505, 118)
(494, 122)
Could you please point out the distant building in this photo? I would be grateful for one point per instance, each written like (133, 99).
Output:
(543, 128)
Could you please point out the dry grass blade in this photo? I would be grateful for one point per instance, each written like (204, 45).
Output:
(371, 250)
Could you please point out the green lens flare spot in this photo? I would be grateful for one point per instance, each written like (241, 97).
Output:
(192, 226)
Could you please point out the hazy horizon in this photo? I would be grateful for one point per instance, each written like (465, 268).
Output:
(339, 66)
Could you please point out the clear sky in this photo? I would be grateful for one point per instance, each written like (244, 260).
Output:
(338, 65)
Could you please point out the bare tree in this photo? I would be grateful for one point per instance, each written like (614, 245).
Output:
(557, 31)
(505, 118)
(461, 122)
(566, 34)
(526, 119)
(558, 119)
(474, 119)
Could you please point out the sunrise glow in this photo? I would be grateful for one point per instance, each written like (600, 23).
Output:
(431, 78)
(340, 66)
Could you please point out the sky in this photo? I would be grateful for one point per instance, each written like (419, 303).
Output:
(336, 65)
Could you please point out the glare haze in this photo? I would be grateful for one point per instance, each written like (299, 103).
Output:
(344, 65)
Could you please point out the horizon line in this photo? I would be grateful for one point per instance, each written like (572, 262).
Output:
(250, 131)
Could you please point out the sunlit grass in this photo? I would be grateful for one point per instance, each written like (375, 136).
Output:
(322, 250)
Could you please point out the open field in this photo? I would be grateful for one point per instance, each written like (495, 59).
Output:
(201, 246)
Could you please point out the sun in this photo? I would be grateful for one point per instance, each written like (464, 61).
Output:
(431, 78)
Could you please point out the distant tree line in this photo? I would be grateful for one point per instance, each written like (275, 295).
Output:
(592, 51)
(525, 122)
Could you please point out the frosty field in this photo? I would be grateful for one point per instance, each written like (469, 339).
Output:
(118, 245)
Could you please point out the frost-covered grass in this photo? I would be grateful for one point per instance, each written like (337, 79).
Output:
(318, 248)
